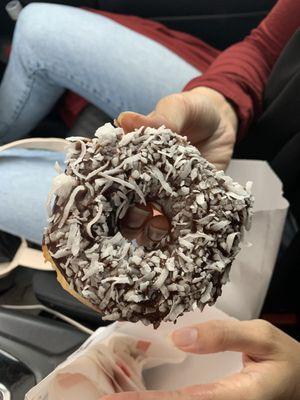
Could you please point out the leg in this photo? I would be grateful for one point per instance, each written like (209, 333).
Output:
(25, 182)
(57, 47)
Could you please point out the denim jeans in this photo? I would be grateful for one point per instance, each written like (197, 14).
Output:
(57, 48)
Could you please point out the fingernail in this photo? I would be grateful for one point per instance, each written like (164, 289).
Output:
(157, 209)
(158, 228)
(123, 114)
(185, 337)
(120, 117)
(156, 234)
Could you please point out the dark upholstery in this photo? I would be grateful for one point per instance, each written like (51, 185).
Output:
(219, 22)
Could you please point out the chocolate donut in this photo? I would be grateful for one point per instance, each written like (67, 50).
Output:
(111, 172)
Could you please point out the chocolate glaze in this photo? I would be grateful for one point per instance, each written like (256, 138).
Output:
(197, 282)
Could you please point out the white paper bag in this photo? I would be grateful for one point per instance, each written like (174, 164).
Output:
(251, 272)
(164, 367)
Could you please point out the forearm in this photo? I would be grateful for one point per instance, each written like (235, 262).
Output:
(240, 73)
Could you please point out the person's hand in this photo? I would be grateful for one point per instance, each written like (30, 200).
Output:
(202, 114)
(271, 363)
(208, 121)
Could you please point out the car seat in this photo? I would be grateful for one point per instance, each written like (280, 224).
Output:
(30, 348)
(49, 292)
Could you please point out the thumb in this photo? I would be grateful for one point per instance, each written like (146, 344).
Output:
(255, 338)
(235, 387)
(130, 121)
(170, 111)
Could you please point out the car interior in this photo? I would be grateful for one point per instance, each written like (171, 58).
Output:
(33, 341)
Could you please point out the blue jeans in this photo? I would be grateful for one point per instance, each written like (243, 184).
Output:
(57, 48)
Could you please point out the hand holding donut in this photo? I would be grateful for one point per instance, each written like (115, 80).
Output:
(208, 121)
(202, 114)
(271, 363)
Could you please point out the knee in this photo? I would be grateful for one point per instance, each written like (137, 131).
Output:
(32, 29)
(30, 23)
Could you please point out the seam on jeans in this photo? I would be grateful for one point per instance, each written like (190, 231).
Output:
(31, 81)
(33, 69)
(53, 69)
(25, 96)
(82, 85)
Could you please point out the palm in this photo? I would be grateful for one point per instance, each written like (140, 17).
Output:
(203, 125)
(199, 117)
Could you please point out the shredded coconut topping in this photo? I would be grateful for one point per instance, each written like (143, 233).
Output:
(208, 213)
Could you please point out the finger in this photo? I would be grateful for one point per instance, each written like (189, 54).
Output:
(130, 121)
(173, 111)
(191, 114)
(135, 219)
(147, 395)
(256, 338)
(235, 387)
(137, 215)
(157, 228)
(153, 231)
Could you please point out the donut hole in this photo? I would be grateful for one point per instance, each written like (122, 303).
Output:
(147, 224)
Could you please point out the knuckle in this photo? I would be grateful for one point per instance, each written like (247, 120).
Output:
(169, 99)
(172, 395)
(177, 395)
(268, 334)
(265, 328)
(139, 396)
(221, 333)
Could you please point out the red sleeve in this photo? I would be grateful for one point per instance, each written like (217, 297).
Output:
(240, 72)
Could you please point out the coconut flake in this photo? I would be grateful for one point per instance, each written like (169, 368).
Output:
(200, 199)
(185, 243)
(69, 204)
(161, 279)
(185, 258)
(62, 186)
(117, 180)
(217, 226)
(95, 268)
(82, 154)
(107, 134)
(133, 297)
(74, 238)
(156, 173)
(126, 139)
(94, 221)
(230, 239)
(97, 171)
(206, 296)
(92, 249)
